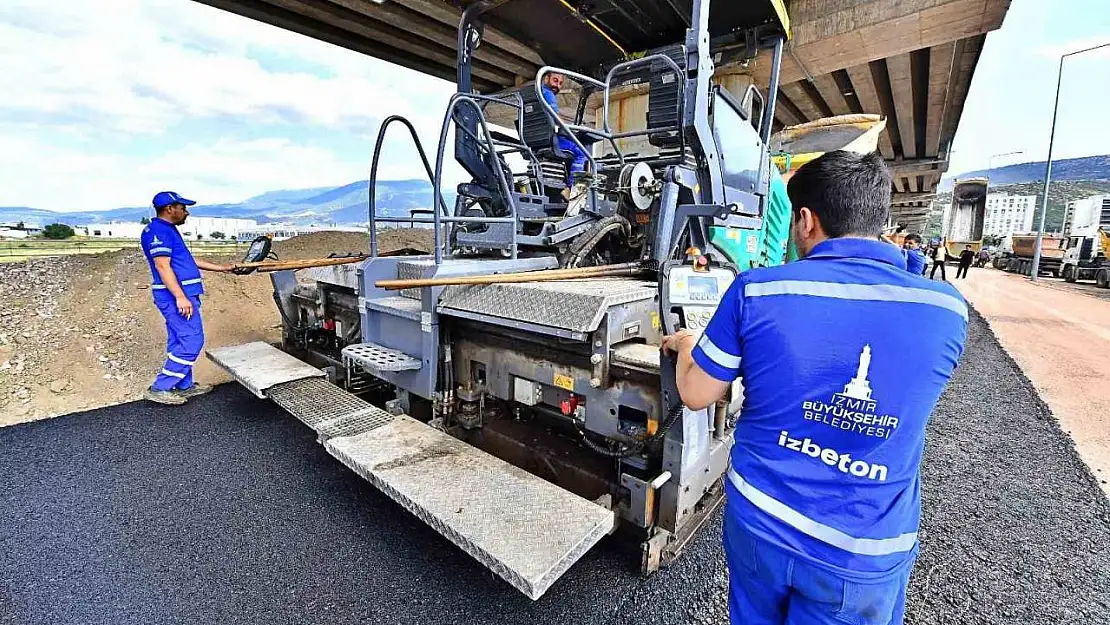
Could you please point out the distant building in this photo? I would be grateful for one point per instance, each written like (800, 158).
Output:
(194, 228)
(1007, 214)
(18, 230)
(114, 230)
(1084, 216)
(201, 228)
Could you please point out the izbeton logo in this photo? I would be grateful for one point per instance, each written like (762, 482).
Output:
(853, 409)
(833, 458)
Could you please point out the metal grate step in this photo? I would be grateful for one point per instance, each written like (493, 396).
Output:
(375, 358)
(328, 409)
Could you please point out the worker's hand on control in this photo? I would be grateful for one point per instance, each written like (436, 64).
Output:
(675, 343)
(185, 307)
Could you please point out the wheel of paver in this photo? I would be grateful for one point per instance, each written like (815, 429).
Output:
(1102, 278)
(1069, 274)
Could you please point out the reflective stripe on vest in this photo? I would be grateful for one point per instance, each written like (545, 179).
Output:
(820, 531)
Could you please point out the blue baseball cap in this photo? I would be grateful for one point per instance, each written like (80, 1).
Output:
(165, 198)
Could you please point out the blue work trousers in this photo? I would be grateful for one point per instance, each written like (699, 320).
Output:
(578, 165)
(769, 586)
(184, 342)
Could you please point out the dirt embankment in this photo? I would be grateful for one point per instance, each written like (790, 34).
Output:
(82, 332)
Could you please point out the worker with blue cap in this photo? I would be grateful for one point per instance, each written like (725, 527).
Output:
(823, 490)
(177, 287)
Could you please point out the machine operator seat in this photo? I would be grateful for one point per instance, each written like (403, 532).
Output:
(540, 134)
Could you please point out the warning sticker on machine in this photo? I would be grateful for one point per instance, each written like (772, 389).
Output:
(564, 381)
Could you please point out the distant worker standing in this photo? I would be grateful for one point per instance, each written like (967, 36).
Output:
(823, 511)
(966, 258)
(915, 260)
(939, 255)
(176, 287)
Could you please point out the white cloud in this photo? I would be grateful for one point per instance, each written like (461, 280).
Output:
(65, 179)
(140, 67)
(88, 86)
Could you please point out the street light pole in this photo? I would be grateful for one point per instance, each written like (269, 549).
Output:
(1048, 162)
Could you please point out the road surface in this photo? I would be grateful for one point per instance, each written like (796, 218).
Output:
(1060, 335)
(226, 510)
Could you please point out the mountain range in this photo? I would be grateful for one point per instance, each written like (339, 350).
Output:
(347, 204)
(1083, 168)
(343, 205)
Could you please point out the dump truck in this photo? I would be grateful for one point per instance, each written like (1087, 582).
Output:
(1018, 257)
(1088, 244)
(963, 218)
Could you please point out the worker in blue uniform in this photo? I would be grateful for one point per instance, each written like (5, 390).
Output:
(823, 494)
(915, 258)
(551, 86)
(177, 287)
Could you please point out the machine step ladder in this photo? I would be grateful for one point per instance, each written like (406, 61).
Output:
(523, 528)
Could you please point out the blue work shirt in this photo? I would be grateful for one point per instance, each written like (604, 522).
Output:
(830, 436)
(915, 261)
(161, 238)
(549, 97)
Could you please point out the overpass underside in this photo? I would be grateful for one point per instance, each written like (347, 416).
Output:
(911, 61)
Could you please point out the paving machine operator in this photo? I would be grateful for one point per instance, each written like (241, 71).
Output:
(551, 86)
(176, 287)
(823, 494)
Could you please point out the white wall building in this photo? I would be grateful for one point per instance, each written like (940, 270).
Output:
(197, 228)
(1084, 216)
(19, 230)
(1007, 214)
(194, 228)
(113, 230)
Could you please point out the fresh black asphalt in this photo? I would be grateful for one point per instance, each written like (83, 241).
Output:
(226, 510)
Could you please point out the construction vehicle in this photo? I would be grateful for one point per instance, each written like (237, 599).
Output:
(1088, 243)
(525, 421)
(963, 218)
(1018, 255)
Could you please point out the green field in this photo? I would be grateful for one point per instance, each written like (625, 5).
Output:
(12, 250)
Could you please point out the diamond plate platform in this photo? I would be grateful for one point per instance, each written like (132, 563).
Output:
(521, 527)
(375, 358)
(260, 366)
(575, 305)
(339, 275)
(639, 355)
(398, 306)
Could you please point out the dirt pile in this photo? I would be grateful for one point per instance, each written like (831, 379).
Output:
(82, 332)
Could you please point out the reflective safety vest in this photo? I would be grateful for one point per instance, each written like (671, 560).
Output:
(843, 356)
(161, 238)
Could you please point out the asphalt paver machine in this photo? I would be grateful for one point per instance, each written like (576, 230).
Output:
(525, 421)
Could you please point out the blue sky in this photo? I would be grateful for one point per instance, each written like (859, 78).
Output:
(107, 102)
(1009, 108)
